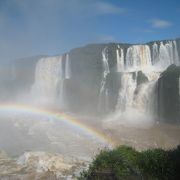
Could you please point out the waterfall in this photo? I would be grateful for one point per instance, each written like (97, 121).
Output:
(120, 59)
(138, 57)
(121, 87)
(140, 98)
(179, 92)
(151, 60)
(155, 53)
(133, 96)
(103, 96)
(144, 98)
(50, 74)
(175, 54)
(166, 55)
(67, 67)
(126, 92)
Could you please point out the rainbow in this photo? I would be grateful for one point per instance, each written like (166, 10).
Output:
(62, 116)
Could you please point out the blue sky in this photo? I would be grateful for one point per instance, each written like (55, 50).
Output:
(32, 27)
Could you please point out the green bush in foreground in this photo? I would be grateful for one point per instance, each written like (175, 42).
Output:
(155, 163)
(125, 162)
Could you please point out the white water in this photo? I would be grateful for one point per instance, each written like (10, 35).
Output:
(179, 89)
(143, 99)
(126, 92)
(155, 53)
(106, 68)
(52, 72)
(120, 59)
(138, 57)
(175, 54)
(67, 67)
(50, 75)
(133, 96)
(165, 55)
(103, 91)
(133, 106)
(150, 59)
(135, 99)
(43, 145)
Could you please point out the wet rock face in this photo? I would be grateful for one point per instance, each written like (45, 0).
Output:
(178, 46)
(168, 93)
(103, 78)
(82, 88)
(141, 78)
(109, 77)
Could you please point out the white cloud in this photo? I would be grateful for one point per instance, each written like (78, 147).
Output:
(160, 23)
(108, 8)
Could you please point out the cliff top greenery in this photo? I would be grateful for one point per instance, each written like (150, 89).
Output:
(126, 163)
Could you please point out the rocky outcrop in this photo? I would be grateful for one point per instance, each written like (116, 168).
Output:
(101, 78)
(168, 90)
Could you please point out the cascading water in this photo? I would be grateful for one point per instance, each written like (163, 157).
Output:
(144, 98)
(165, 55)
(122, 79)
(179, 91)
(138, 57)
(103, 96)
(175, 54)
(133, 96)
(140, 98)
(155, 53)
(50, 74)
(120, 59)
(126, 92)
(67, 67)
(119, 88)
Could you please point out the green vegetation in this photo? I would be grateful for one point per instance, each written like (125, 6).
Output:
(126, 163)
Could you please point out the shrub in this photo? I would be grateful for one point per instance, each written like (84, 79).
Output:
(175, 161)
(126, 163)
(113, 164)
(155, 163)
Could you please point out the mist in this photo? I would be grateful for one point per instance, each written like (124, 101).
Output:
(80, 76)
